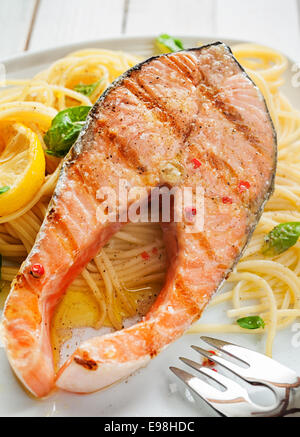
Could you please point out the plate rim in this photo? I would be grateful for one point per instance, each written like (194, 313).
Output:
(33, 58)
(89, 43)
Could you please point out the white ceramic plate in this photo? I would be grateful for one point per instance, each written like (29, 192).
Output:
(152, 391)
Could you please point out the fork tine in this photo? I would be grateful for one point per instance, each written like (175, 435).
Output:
(200, 387)
(225, 382)
(237, 370)
(201, 369)
(235, 401)
(217, 343)
(225, 402)
(261, 368)
(241, 353)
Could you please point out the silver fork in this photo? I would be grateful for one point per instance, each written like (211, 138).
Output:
(234, 401)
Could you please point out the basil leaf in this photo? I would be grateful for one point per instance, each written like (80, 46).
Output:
(167, 43)
(281, 238)
(4, 189)
(252, 322)
(87, 90)
(65, 129)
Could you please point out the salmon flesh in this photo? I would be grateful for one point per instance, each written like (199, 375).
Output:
(191, 118)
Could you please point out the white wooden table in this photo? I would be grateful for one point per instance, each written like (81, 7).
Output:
(39, 24)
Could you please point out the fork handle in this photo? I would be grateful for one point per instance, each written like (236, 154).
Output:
(293, 406)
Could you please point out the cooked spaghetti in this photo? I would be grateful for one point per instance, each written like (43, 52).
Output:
(125, 277)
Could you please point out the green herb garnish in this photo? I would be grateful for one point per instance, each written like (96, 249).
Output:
(167, 43)
(4, 189)
(281, 238)
(87, 90)
(65, 129)
(252, 322)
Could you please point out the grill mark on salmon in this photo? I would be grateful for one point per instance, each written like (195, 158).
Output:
(189, 66)
(214, 161)
(161, 112)
(230, 114)
(222, 165)
(198, 262)
(180, 67)
(207, 246)
(238, 122)
(89, 192)
(213, 95)
(66, 237)
(148, 100)
(152, 103)
(86, 363)
(124, 154)
(77, 173)
(183, 131)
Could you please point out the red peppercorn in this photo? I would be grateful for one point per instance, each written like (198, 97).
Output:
(207, 362)
(37, 270)
(244, 186)
(211, 361)
(145, 255)
(227, 200)
(196, 163)
(190, 212)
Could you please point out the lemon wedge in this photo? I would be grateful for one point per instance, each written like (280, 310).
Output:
(22, 166)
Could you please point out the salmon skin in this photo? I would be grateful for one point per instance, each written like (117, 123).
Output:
(196, 110)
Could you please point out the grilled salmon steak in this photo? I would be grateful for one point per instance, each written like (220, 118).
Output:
(188, 119)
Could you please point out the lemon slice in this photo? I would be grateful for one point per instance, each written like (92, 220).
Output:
(22, 166)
